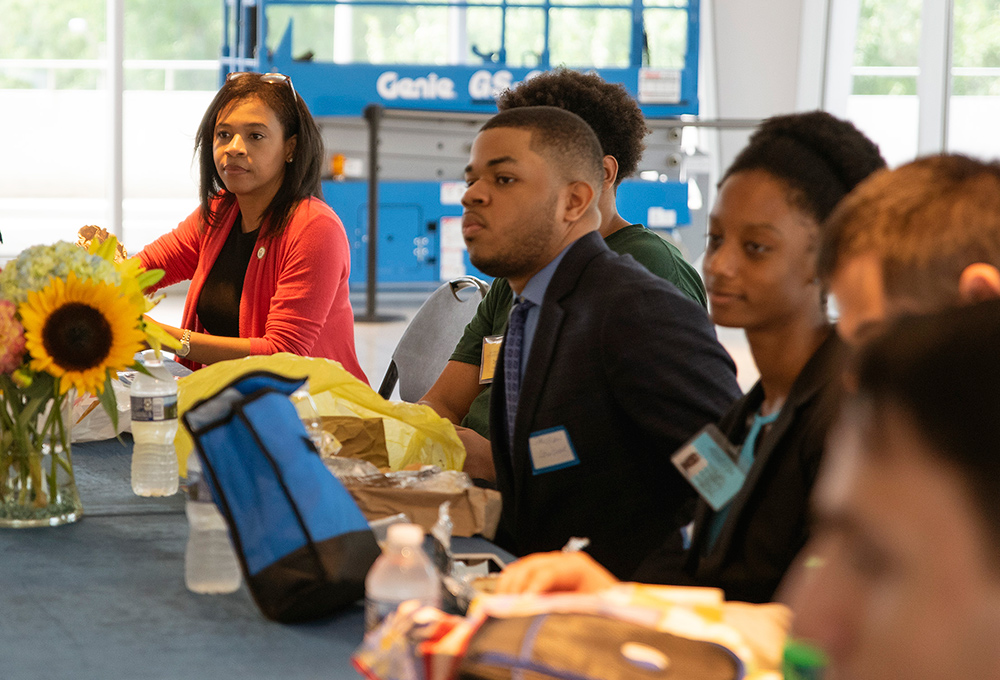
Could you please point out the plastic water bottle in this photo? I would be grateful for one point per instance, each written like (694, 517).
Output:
(154, 424)
(402, 572)
(441, 539)
(308, 414)
(210, 564)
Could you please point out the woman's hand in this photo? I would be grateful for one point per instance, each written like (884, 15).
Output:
(207, 349)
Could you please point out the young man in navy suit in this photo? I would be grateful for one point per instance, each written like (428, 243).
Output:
(610, 370)
(462, 391)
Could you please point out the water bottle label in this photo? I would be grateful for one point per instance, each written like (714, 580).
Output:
(151, 409)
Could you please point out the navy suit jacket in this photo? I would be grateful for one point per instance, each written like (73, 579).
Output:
(631, 368)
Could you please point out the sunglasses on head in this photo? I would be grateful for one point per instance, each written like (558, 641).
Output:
(266, 77)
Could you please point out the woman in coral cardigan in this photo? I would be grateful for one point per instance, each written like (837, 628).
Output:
(268, 260)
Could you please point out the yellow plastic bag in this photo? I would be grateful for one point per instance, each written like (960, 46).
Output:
(414, 433)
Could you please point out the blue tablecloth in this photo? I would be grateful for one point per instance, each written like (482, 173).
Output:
(104, 598)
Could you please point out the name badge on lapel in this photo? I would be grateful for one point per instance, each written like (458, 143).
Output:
(488, 361)
(708, 462)
(551, 450)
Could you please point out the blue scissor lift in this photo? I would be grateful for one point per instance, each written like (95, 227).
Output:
(399, 89)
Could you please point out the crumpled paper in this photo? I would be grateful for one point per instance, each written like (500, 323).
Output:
(91, 423)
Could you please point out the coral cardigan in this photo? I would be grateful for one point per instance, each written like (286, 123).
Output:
(295, 296)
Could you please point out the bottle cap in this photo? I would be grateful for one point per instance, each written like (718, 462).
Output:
(407, 535)
(150, 357)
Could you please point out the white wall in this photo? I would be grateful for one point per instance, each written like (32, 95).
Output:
(755, 49)
(777, 56)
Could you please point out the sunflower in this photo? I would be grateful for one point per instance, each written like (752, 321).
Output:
(78, 330)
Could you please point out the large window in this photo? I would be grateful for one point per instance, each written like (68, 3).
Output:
(975, 79)
(884, 94)
(887, 100)
(53, 44)
(57, 155)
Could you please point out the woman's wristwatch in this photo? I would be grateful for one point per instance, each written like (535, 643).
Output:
(185, 347)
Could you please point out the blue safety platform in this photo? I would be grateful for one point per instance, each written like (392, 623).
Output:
(433, 68)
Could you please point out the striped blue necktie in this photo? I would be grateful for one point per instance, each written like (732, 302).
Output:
(512, 361)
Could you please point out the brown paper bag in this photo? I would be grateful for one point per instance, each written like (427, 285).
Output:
(473, 511)
(362, 438)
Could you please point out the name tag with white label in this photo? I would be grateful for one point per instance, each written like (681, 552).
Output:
(707, 461)
(551, 450)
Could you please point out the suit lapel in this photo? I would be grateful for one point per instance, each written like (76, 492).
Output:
(539, 361)
(702, 516)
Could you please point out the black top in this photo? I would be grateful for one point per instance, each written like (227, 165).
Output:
(767, 524)
(219, 303)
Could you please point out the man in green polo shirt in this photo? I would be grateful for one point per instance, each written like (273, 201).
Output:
(462, 392)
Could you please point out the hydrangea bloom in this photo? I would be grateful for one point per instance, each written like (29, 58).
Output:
(11, 338)
(34, 267)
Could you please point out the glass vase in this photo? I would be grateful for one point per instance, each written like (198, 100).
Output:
(37, 486)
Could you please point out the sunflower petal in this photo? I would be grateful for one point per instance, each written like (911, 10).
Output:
(106, 250)
(157, 337)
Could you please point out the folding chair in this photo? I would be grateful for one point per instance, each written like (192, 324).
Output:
(430, 338)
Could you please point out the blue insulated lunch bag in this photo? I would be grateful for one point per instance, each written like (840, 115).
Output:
(303, 544)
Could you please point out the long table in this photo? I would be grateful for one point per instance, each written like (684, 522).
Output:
(104, 598)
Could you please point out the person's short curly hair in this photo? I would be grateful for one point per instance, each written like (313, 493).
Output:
(608, 109)
(820, 157)
(559, 135)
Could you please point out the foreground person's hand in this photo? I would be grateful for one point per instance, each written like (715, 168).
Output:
(555, 572)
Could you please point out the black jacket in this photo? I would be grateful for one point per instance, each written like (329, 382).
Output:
(767, 524)
(631, 368)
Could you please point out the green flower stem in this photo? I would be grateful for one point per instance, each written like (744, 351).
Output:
(24, 436)
(21, 448)
(67, 462)
(53, 422)
(7, 436)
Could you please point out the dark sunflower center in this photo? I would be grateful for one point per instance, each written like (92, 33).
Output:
(77, 337)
